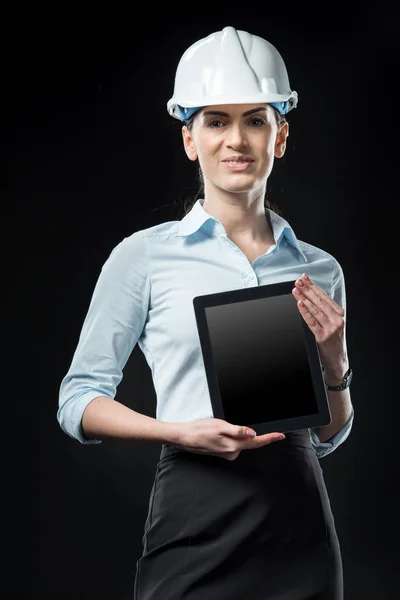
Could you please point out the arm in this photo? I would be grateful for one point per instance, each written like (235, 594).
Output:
(107, 418)
(339, 404)
(327, 438)
(114, 322)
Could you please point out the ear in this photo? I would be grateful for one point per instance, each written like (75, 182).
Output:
(280, 142)
(189, 144)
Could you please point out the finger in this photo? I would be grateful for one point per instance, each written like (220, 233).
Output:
(311, 320)
(239, 431)
(324, 315)
(268, 438)
(317, 295)
(321, 310)
(319, 321)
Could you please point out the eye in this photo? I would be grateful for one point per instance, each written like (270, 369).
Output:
(254, 122)
(212, 123)
(259, 119)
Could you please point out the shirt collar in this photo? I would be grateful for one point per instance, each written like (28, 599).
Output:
(197, 216)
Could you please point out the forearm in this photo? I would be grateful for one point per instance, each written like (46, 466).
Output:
(340, 407)
(106, 418)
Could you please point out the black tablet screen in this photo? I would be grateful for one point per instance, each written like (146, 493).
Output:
(260, 359)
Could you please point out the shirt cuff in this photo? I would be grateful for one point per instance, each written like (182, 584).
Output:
(323, 448)
(70, 414)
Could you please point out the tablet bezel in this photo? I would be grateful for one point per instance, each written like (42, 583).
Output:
(200, 303)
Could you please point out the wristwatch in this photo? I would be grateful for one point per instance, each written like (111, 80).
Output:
(348, 376)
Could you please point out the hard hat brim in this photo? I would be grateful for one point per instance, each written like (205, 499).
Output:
(173, 103)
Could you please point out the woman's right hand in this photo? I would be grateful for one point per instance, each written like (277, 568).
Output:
(220, 438)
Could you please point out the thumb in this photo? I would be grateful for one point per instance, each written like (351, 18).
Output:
(246, 432)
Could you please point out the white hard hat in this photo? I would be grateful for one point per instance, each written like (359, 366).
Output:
(230, 67)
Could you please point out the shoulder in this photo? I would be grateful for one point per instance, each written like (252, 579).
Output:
(328, 271)
(315, 253)
(141, 235)
(138, 239)
(166, 228)
(325, 265)
(132, 251)
(311, 252)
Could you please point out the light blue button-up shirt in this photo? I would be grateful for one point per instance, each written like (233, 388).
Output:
(144, 295)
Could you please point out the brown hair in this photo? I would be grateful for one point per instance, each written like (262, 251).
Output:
(189, 202)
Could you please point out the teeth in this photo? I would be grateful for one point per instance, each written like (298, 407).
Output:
(235, 162)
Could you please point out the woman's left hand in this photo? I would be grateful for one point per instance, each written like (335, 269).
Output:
(326, 319)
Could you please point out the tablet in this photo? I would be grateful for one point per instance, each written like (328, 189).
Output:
(261, 359)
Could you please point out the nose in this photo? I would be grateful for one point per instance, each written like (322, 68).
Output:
(236, 136)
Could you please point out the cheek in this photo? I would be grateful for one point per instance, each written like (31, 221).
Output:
(268, 152)
(209, 154)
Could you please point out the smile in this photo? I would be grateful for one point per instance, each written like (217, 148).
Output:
(234, 165)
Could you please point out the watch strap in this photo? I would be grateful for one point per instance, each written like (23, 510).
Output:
(345, 383)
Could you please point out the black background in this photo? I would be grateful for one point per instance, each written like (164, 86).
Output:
(90, 155)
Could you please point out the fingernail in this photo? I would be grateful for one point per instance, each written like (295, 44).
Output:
(281, 437)
(251, 434)
(306, 277)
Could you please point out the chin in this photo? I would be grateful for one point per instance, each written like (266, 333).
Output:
(238, 186)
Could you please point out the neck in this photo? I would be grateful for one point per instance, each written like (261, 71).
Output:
(242, 217)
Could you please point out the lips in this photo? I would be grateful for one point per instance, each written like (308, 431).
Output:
(239, 158)
(238, 165)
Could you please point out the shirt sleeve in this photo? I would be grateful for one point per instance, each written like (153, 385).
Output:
(113, 324)
(323, 448)
(338, 293)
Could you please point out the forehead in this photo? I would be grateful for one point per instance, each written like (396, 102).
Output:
(235, 109)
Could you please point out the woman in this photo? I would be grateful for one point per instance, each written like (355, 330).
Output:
(222, 523)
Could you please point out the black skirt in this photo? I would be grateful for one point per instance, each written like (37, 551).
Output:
(258, 527)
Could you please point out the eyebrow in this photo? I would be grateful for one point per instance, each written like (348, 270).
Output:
(224, 114)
